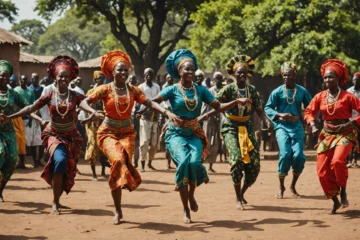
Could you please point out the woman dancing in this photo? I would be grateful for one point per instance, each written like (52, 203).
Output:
(8, 147)
(339, 134)
(60, 137)
(116, 134)
(184, 138)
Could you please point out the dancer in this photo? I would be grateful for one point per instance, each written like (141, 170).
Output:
(93, 153)
(237, 130)
(284, 110)
(8, 147)
(356, 91)
(60, 138)
(116, 135)
(339, 134)
(184, 138)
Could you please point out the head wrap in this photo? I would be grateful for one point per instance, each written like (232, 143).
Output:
(63, 62)
(109, 61)
(199, 72)
(286, 66)
(240, 60)
(6, 66)
(96, 74)
(357, 74)
(176, 59)
(217, 73)
(338, 67)
(13, 78)
(148, 70)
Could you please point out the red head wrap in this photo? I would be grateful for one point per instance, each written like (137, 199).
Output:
(109, 61)
(357, 74)
(338, 67)
(63, 62)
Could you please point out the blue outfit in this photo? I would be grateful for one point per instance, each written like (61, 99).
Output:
(289, 134)
(186, 144)
(37, 91)
(59, 159)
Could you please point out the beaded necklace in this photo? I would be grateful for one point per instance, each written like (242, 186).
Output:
(332, 102)
(189, 104)
(66, 103)
(6, 95)
(288, 99)
(116, 96)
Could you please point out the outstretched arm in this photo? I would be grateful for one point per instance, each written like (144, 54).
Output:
(23, 112)
(157, 108)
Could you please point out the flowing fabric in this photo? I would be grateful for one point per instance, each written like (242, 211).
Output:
(245, 157)
(289, 133)
(20, 135)
(66, 134)
(116, 135)
(8, 144)
(72, 141)
(334, 146)
(187, 143)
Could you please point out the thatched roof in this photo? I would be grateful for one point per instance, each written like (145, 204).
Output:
(91, 63)
(27, 57)
(12, 38)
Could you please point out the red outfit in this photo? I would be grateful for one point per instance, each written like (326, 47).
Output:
(334, 147)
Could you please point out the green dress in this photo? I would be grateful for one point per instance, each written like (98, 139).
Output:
(8, 146)
(230, 131)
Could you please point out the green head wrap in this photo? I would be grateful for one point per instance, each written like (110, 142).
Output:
(6, 67)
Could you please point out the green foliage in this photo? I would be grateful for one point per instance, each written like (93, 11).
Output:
(66, 36)
(148, 30)
(273, 31)
(8, 10)
(30, 30)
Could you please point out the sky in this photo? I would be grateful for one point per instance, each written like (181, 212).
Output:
(25, 11)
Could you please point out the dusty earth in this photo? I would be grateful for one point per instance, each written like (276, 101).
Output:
(154, 210)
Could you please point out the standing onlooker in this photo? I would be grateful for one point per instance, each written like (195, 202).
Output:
(149, 121)
(212, 124)
(132, 80)
(29, 96)
(356, 91)
(199, 77)
(33, 131)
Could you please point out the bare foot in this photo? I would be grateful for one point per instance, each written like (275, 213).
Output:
(187, 217)
(151, 167)
(63, 207)
(118, 216)
(193, 204)
(344, 201)
(55, 210)
(280, 195)
(243, 201)
(2, 199)
(294, 192)
(212, 170)
(239, 205)
(335, 208)
(95, 179)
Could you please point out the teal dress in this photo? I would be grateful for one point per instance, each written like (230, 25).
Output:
(184, 144)
(230, 130)
(289, 134)
(8, 146)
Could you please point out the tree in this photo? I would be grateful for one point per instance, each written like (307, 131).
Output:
(8, 10)
(30, 30)
(68, 36)
(147, 44)
(303, 31)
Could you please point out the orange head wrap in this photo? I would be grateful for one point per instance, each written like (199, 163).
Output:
(338, 67)
(97, 73)
(109, 61)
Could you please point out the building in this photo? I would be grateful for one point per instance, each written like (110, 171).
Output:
(87, 69)
(10, 44)
(34, 64)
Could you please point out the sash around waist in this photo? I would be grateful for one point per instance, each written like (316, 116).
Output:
(117, 123)
(62, 127)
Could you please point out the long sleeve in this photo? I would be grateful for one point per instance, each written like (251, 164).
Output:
(307, 98)
(312, 109)
(270, 107)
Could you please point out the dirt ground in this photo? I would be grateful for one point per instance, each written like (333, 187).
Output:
(154, 210)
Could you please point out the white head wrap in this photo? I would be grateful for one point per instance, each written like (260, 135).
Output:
(199, 72)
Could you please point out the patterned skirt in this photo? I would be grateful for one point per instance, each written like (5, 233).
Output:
(54, 135)
(116, 139)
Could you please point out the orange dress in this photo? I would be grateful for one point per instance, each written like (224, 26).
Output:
(116, 135)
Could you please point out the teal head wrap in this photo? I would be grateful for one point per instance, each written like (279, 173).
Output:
(176, 58)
